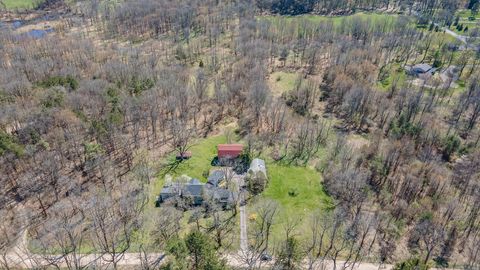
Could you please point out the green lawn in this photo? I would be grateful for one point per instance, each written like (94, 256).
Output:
(309, 197)
(394, 72)
(465, 13)
(203, 152)
(304, 181)
(21, 4)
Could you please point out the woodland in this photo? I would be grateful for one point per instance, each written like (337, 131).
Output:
(381, 166)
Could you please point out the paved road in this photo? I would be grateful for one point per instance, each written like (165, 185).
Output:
(243, 229)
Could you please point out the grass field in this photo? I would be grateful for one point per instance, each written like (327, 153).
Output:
(309, 197)
(281, 82)
(375, 19)
(303, 181)
(464, 15)
(21, 4)
(395, 72)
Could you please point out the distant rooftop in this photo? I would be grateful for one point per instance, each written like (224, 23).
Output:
(422, 67)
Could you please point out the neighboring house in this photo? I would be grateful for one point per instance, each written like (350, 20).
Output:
(420, 69)
(229, 151)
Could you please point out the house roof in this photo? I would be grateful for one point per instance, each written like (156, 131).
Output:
(258, 165)
(215, 178)
(167, 190)
(220, 194)
(229, 150)
(230, 147)
(422, 67)
(171, 189)
(193, 188)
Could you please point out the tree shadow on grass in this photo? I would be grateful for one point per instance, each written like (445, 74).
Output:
(171, 165)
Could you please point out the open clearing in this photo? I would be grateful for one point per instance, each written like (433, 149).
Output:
(21, 4)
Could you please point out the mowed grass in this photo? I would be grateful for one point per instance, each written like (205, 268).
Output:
(21, 4)
(465, 13)
(309, 198)
(303, 182)
(395, 73)
(203, 152)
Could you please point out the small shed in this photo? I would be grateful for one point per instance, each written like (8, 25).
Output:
(258, 166)
(185, 155)
(257, 176)
(229, 150)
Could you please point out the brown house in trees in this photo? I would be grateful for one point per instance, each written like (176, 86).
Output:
(229, 150)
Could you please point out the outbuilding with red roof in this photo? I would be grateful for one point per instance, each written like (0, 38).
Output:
(229, 150)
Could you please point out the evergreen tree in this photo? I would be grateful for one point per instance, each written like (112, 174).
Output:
(202, 252)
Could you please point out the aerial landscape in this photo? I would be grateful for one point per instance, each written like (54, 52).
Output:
(240, 134)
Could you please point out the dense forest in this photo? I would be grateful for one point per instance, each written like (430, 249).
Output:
(91, 111)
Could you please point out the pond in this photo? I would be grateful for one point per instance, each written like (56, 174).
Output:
(33, 33)
(38, 33)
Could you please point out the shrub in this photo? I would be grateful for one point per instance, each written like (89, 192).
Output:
(53, 99)
(451, 145)
(293, 192)
(411, 264)
(9, 143)
(206, 173)
(67, 82)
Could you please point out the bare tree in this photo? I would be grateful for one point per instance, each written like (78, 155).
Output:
(260, 233)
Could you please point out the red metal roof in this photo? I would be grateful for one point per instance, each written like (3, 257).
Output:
(235, 146)
(229, 150)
